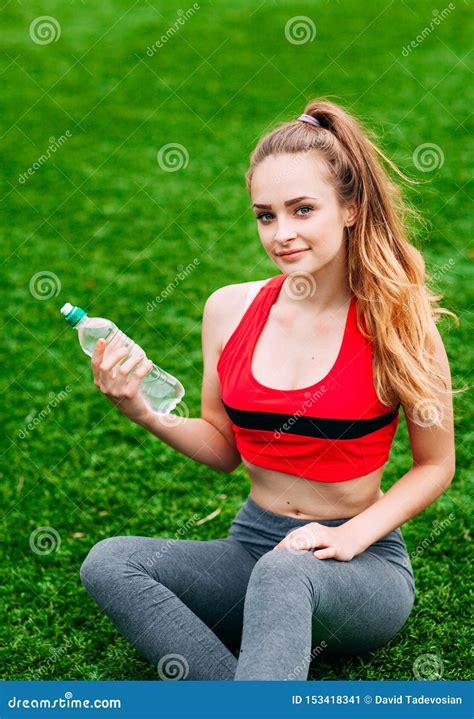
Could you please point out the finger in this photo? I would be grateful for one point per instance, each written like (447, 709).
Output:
(110, 361)
(302, 538)
(131, 362)
(96, 359)
(284, 543)
(118, 340)
(129, 365)
(325, 553)
(281, 545)
(100, 344)
(138, 375)
(297, 542)
(113, 344)
(98, 350)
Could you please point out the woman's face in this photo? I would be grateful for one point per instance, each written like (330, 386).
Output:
(314, 224)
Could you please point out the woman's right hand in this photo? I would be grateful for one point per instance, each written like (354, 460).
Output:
(121, 390)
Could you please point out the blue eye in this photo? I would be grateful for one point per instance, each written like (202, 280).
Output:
(260, 217)
(266, 214)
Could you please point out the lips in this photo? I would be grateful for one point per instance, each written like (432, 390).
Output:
(293, 252)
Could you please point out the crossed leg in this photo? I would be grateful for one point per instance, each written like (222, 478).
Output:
(179, 602)
(295, 602)
(188, 605)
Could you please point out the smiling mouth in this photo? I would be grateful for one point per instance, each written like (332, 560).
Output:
(291, 254)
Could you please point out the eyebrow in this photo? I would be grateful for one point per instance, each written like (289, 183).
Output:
(287, 203)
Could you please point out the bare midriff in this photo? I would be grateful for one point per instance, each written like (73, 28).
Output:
(309, 499)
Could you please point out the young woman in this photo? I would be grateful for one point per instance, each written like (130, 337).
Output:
(303, 384)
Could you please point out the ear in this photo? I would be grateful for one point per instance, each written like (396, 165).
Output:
(351, 215)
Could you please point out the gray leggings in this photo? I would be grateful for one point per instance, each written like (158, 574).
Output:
(232, 609)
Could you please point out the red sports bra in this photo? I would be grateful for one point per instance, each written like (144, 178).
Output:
(334, 430)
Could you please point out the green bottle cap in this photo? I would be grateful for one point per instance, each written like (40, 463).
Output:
(72, 314)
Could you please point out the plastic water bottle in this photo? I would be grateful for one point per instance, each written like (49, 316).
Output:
(161, 390)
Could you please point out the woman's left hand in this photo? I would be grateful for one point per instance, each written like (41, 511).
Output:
(338, 543)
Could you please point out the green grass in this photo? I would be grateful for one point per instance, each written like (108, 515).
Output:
(113, 227)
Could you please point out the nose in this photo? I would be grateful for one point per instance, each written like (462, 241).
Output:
(284, 231)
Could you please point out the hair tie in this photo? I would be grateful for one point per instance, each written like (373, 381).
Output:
(309, 119)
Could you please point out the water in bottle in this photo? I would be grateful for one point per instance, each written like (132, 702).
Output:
(161, 390)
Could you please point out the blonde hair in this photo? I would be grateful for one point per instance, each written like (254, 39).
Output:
(395, 306)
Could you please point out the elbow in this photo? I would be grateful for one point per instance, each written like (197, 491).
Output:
(450, 468)
(229, 467)
(441, 472)
(451, 476)
(447, 475)
(227, 470)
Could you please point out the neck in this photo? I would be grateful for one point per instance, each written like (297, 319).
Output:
(326, 289)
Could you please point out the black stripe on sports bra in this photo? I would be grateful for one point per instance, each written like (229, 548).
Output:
(319, 427)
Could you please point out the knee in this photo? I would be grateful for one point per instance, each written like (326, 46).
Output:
(287, 576)
(279, 566)
(102, 558)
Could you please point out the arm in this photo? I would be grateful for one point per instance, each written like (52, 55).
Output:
(194, 437)
(208, 439)
(431, 474)
(433, 469)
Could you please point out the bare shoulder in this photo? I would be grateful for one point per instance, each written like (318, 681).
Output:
(227, 294)
(224, 308)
